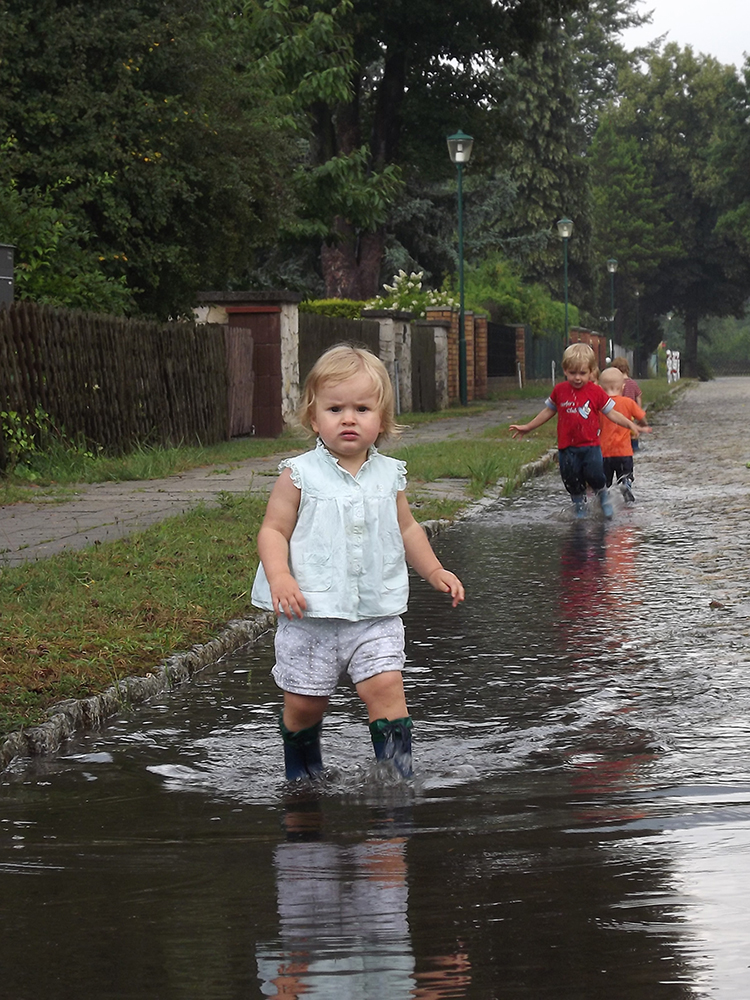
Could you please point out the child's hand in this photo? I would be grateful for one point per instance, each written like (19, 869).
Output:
(518, 430)
(645, 429)
(286, 596)
(448, 583)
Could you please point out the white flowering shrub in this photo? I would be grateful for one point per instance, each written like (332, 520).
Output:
(406, 293)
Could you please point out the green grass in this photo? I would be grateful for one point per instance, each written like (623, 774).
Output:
(416, 418)
(538, 389)
(72, 624)
(658, 393)
(483, 460)
(48, 473)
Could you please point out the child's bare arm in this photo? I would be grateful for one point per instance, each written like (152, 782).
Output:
(618, 418)
(518, 430)
(420, 554)
(273, 546)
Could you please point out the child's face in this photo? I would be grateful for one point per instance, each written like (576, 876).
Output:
(578, 375)
(347, 418)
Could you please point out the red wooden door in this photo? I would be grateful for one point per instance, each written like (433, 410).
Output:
(264, 323)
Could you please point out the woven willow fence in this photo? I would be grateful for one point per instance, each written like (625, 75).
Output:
(116, 382)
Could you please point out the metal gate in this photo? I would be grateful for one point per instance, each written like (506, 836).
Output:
(501, 351)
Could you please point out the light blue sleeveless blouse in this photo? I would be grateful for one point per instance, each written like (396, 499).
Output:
(346, 552)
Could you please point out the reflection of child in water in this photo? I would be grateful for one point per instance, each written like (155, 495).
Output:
(578, 401)
(344, 924)
(617, 449)
(334, 545)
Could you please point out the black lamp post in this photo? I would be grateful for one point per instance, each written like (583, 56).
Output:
(565, 231)
(459, 148)
(611, 267)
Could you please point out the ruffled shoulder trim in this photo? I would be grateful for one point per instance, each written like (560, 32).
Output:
(290, 463)
(400, 474)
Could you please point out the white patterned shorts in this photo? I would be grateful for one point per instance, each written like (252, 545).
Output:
(312, 654)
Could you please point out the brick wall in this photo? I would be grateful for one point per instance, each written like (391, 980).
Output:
(475, 331)
(480, 359)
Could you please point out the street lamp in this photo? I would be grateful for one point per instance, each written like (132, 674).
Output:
(459, 148)
(565, 231)
(611, 267)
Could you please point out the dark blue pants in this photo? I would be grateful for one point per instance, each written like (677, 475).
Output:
(580, 467)
(617, 466)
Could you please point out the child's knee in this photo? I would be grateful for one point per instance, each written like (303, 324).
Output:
(302, 711)
(383, 695)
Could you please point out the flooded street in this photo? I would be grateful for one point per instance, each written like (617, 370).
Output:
(579, 821)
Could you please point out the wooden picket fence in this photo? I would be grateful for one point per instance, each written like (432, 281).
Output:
(117, 383)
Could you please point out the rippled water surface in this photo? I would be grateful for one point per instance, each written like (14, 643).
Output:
(578, 825)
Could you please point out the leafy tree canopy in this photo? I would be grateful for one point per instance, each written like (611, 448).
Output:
(495, 287)
(661, 140)
(412, 71)
(173, 150)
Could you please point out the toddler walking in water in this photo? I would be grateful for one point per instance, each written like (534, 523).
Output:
(334, 545)
(578, 401)
(617, 449)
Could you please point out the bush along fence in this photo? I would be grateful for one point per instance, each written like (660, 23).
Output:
(116, 383)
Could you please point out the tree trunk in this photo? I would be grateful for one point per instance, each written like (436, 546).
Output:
(351, 266)
(689, 364)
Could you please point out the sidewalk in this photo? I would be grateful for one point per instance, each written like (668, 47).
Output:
(104, 512)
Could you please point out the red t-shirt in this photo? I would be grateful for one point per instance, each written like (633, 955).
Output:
(578, 413)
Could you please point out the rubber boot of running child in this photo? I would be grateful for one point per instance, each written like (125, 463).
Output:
(606, 503)
(391, 740)
(579, 506)
(301, 751)
(626, 488)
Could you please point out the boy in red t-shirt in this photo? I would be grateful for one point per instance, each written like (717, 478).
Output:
(578, 402)
(616, 443)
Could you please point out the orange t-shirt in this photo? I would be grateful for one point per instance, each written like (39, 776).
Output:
(615, 440)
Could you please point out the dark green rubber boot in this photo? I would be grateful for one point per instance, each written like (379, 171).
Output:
(301, 751)
(391, 739)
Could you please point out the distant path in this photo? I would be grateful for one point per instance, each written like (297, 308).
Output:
(695, 469)
(103, 512)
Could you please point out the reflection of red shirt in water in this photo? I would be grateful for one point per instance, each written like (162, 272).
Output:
(578, 413)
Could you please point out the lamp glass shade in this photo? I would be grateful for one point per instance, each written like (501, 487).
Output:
(459, 147)
(565, 228)
(611, 265)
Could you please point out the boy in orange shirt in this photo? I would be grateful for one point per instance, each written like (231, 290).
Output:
(616, 443)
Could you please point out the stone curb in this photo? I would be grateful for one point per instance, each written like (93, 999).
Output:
(67, 717)
(75, 714)
(527, 471)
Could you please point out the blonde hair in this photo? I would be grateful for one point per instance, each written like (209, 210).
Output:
(621, 364)
(339, 363)
(579, 354)
(612, 379)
